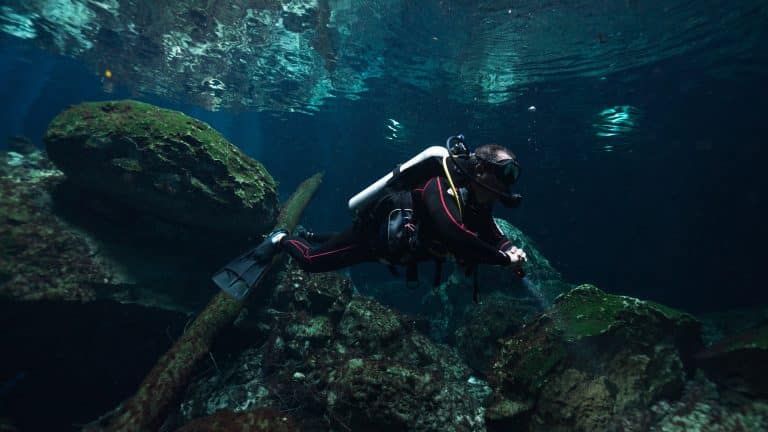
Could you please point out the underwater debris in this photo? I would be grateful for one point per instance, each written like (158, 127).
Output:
(171, 375)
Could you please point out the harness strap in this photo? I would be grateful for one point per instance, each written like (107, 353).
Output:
(453, 187)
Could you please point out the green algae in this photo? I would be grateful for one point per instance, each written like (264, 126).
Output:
(587, 311)
(163, 162)
(593, 344)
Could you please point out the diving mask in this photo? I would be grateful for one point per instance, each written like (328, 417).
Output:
(507, 170)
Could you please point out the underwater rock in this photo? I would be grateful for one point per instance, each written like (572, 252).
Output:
(42, 256)
(738, 362)
(47, 252)
(719, 325)
(382, 395)
(498, 315)
(368, 324)
(164, 163)
(257, 420)
(590, 358)
(377, 372)
(322, 293)
(350, 364)
(701, 408)
(542, 280)
(239, 386)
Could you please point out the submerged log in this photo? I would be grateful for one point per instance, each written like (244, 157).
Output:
(166, 382)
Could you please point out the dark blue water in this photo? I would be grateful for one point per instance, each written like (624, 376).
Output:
(675, 213)
(672, 208)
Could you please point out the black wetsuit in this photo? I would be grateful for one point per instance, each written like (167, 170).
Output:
(472, 236)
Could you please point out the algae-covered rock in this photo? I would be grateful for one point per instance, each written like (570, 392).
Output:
(380, 395)
(257, 420)
(738, 362)
(41, 255)
(239, 387)
(589, 359)
(703, 407)
(162, 162)
(369, 324)
(498, 315)
(366, 367)
(317, 293)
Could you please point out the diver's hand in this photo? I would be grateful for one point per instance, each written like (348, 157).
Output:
(517, 257)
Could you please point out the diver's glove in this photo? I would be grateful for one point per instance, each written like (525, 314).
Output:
(517, 256)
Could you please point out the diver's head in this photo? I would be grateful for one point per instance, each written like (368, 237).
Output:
(496, 168)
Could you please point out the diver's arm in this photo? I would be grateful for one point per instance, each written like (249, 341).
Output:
(490, 232)
(442, 209)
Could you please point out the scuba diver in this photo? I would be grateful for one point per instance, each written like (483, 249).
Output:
(437, 204)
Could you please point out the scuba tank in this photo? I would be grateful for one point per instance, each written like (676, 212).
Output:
(431, 162)
(420, 168)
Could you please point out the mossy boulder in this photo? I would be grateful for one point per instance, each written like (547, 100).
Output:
(162, 162)
(738, 362)
(590, 358)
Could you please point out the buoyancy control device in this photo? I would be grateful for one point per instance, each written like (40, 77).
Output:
(390, 198)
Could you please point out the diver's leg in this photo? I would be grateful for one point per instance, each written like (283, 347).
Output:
(314, 237)
(342, 250)
(322, 237)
